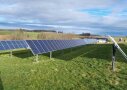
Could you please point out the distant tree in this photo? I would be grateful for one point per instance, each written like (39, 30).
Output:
(85, 34)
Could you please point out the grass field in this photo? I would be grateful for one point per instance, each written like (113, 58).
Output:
(5, 32)
(81, 68)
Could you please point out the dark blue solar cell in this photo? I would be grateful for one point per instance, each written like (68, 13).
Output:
(24, 44)
(52, 45)
(10, 44)
(44, 45)
(65, 44)
(41, 46)
(77, 43)
(69, 43)
(1, 47)
(72, 43)
(5, 45)
(62, 44)
(55, 44)
(34, 49)
(58, 44)
(38, 45)
(48, 45)
(19, 44)
(15, 44)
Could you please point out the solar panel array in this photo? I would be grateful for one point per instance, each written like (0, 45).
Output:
(44, 46)
(12, 44)
(90, 41)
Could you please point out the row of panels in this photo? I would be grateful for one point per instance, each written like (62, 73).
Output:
(90, 41)
(44, 46)
(12, 44)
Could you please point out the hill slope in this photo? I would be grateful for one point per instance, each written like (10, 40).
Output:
(81, 68)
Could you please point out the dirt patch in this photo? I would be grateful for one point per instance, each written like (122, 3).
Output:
(5, 37)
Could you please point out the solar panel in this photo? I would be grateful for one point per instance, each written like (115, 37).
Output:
(15, 44)
(12, 44)
(62, 44)
(38, 46)
(51, 42)
(70, 43)
(44, 46)
(1, 47)
(65, 44)
(58, 44)
(48, 45)
(5, 45)
(33, 46)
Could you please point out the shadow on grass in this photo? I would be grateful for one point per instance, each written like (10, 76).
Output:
(65, 54)
(18, 53)
(98, 51)
(89, 51)
(23, 53)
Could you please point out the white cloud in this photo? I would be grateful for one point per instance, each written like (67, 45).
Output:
(64, 13)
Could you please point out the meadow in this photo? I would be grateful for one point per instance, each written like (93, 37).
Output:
(19, 34)
(80, 68)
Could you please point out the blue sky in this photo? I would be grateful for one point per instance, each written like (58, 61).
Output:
(74, 16)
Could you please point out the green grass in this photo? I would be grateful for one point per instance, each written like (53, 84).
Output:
(5, 32)
(123, 38)
(81, 68)
(33, 35)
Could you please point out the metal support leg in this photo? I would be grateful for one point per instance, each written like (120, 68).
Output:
(50, 55)
(113, 63)
(113, 56)
(36, 58)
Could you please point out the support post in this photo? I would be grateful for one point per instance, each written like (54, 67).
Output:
(36, 58)
(113, 56)
(113, 63)
(11, 54)
(50, 55)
